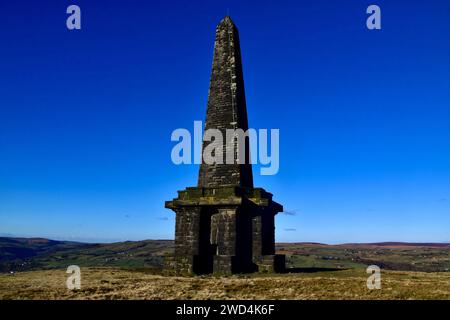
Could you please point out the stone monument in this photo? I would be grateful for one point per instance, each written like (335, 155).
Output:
(225, 225)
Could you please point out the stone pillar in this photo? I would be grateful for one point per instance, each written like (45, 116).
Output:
(187, 228)
(263, 233)
(223, 239)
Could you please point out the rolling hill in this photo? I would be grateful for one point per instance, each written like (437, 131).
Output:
(25, 254)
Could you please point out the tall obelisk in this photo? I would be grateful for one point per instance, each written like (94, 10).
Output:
(225, 225)
(226, 108)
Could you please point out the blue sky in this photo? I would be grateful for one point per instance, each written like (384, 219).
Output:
(86, 115)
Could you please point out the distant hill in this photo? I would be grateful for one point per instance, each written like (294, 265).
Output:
(373, 244)
(400, 244)
(22, 254)
(24, 248)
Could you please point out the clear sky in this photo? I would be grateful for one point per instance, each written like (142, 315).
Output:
(86, 115)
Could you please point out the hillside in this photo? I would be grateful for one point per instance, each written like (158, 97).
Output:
(35, 269)
(390, 256)
(22, 254)
(19, 254)
(110, 283)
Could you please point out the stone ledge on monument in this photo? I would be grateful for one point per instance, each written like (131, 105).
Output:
(223, 195)
(203, 202)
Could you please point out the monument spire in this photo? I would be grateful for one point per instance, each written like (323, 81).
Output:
(227, 109)
(225, 225)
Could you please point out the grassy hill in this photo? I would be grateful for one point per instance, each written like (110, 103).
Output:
(427, 257)
(132, 270)
(113, 283)
(22, 254)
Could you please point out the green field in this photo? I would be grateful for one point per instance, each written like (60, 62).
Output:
(407, 257)
(19, 254)
(35, 269)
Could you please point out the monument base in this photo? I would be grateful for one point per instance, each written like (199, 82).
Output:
(225, 230)
(275, 263)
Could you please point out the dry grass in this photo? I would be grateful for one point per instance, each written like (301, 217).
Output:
(107, 283)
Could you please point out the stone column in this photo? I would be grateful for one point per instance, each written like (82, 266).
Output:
(223, 237)
(187, 227)
(263, 233)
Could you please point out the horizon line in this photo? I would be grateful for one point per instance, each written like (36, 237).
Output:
(2, 235)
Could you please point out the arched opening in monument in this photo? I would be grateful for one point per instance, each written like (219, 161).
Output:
(225, 240)
(203, 263)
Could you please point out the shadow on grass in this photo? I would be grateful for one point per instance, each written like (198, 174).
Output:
(312, 270)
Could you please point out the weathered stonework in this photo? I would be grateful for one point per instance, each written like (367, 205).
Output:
(226, 107)
(225, 225)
